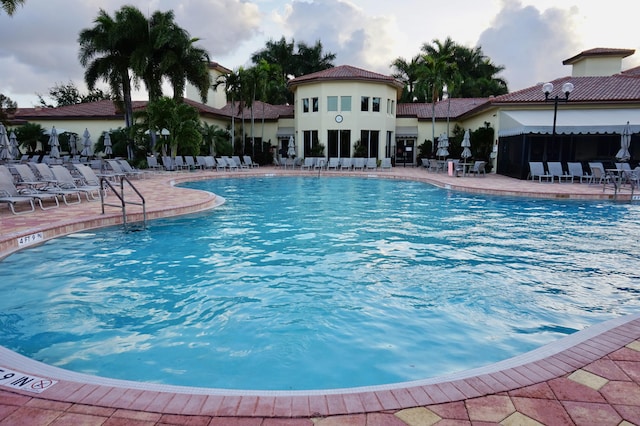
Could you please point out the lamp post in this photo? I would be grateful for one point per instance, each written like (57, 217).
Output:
(547, 88)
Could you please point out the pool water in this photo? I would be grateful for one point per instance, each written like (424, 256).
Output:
(319, 283)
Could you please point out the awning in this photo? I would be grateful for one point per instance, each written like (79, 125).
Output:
(407, 132)
(285, 132)
(574, 121)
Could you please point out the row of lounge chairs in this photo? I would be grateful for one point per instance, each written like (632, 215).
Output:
(335, 163)
(44, 185)
(597, 174)
(208, 162)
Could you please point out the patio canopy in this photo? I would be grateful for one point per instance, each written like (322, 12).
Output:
(407, 132)
(568, 121)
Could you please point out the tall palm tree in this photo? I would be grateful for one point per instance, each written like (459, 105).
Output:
(231, 83)
(279, 52)
(311, 59)
(106, 50)
(10, 6)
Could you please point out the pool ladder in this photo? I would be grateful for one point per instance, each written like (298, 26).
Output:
(105, 183)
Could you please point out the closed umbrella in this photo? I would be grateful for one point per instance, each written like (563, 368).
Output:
(54, 144)
(625, 142)
(107, 144)
(73, 149)
(86, 143)
(5, 153)
(291, 151)
(13, 146)
(443, 146)
(466, 145)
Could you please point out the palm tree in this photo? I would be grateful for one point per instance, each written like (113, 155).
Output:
(106, 51)
(10, 6)
(409, 74)
(311, 59)
(231, 83)
(278, 52)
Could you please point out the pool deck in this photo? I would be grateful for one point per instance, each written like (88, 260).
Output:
(589, 378)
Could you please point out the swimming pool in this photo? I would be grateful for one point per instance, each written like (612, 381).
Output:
(304, 283)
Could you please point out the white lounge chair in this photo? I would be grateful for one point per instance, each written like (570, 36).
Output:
(371, 163)
(385, 164)
(556, 170)
(536, 170)
(477, 168)
(575, 169)
(346, 163)
(69, 196)
(309, 163)
(12, 196)
(249, 162)
(359, 163)
(67, 181)
(334, 163)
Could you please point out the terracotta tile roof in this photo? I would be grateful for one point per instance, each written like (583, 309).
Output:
(599, 51)
(347, 73)
(617, 88)
(271, 112)
(458, 107)
(98, 109)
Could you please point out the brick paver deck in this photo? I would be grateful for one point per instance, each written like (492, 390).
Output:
(589, 378)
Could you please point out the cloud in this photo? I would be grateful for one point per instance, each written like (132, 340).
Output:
(530, 44)
(356, 38)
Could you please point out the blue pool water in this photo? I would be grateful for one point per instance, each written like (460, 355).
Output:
(307, 283)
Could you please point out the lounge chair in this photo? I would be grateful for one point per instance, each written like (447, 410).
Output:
(359, 163)
(240, 164)
(52, 186)
(346, 163)
(320, 163)
(436, 166)
(309, 163)
(249, 162)
(67, 181)
(556, 170)
(598, 174)
(385, 164)
(179, 163)
(129, 170)
(152, 163)
(477, 168)
(334, 163)
(575, 169)
(28, 177)
(168, 163)
(200, 162)
(221, 164)
(189, 162)
(12, 196)
(232, 164)
(536, 170)
(89, 177)
(210, 162)
(371, 163)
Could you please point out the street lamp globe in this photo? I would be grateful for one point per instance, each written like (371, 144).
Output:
(567, 88)
(547, 88)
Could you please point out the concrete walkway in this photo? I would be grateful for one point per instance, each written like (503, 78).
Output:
(589, 378)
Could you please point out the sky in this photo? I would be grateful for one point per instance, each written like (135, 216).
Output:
(529, 38)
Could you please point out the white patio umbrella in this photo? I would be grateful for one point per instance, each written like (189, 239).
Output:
(625, 142)
(54, 143)
(466, 145)
(291, 151)
(13, 146)
(73, 148)
(86, 143)
(107, 144)
(5, 153)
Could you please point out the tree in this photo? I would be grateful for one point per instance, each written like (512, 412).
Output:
(29, 135)
(215, 139)
(310, 59)
(68, 94)
(408, 72)
(10, 6)
(182, 121)
(231, 83)
(106, 52)
(7, 108)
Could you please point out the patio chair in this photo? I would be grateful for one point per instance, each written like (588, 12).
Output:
(67, 181)
(10, 198)
(334, 163)
(249, 162)
(436, 166)
(575, 169)
(385, 164)
(12, 195)
(232, 164)
(371, 164)
(598, 174)
(536, 170)
(152, 163)
(179, 163)
(129, 170)
(346, 163)
(89, 177)
(556, 170)
(309, 163)
(477, 168)
(210, 162)
(190, 163)
(238, 163)
(168, 164)
(221, 164)
(53, 186)
(358, 163)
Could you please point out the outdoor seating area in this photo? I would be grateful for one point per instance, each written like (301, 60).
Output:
(596, 174)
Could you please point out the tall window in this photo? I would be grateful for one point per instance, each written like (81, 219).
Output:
(339, 143)
(370, 140)
(305, 105)
(375, 105)
(316, 104)
(332, 103)
(364, 103)
(345, 103)
(310, 138)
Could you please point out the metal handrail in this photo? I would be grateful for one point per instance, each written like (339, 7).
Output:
(123, 202)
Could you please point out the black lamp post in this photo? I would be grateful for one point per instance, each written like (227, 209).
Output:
(547, 88)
